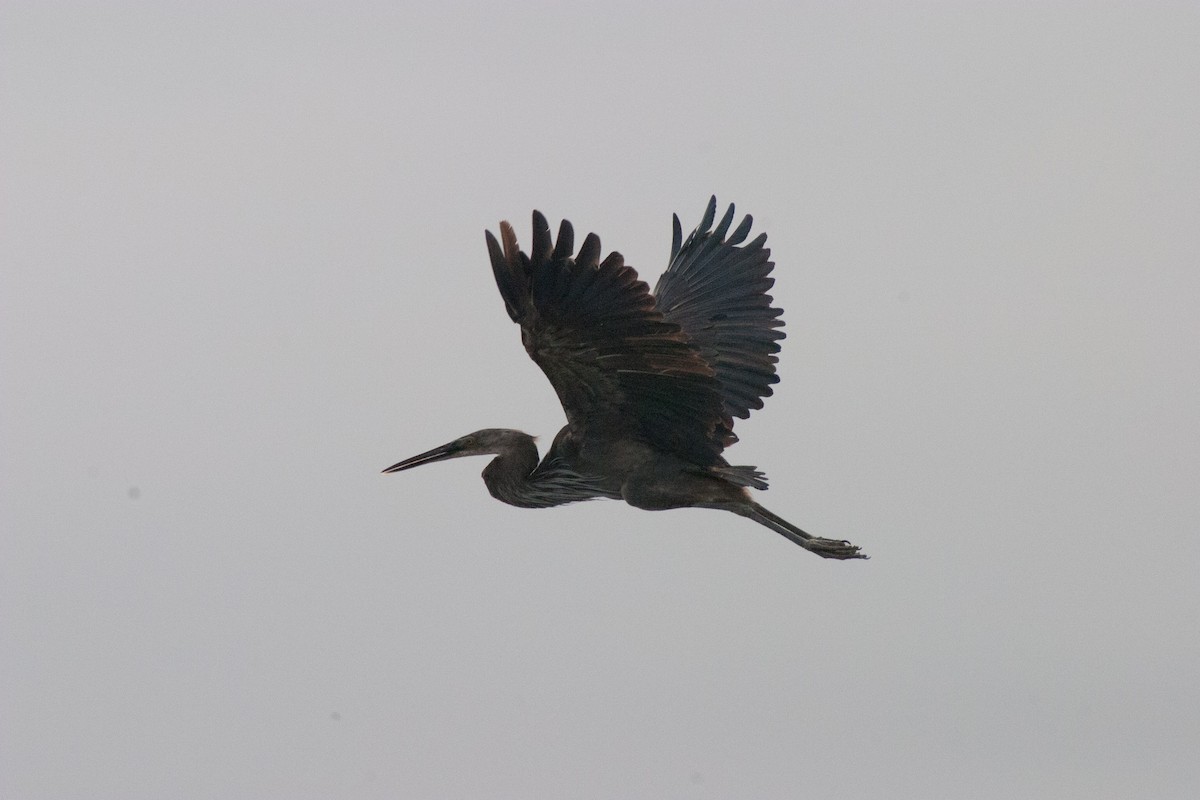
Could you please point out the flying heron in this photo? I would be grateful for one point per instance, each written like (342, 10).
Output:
(650, 383)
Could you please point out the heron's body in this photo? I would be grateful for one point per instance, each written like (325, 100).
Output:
(650, 383)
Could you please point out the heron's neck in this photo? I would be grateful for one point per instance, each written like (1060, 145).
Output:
(507, 475)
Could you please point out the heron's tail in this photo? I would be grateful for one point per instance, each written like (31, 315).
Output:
(750, 477)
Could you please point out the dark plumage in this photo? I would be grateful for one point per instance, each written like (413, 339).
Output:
(650, 384)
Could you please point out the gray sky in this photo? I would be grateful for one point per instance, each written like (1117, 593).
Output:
(243, 270)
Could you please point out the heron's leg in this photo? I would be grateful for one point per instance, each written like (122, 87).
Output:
(655, 492)
(825, 548)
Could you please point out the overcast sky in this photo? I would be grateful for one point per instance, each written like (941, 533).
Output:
(242, 269)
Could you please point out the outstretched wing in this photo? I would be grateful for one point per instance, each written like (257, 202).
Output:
(618, 367)
(715, 289)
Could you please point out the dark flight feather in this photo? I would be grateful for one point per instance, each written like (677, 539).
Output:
(715, 289)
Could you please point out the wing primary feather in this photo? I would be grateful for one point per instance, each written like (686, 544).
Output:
(710, 214)
(512, 284)
(509, 237)
(589, 252)
(723, 228)
(565, 246)
(613, 261)
(739, 234)
(541, 238)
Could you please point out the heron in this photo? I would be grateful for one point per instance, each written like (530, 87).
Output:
(650, 383)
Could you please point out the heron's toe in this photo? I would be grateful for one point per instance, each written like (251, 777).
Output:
(835, 548)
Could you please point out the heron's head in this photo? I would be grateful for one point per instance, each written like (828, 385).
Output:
(488, 441)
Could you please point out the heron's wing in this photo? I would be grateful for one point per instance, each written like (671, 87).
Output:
(715, 289)
(618, 367)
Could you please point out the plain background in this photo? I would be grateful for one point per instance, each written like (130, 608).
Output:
(243, 270)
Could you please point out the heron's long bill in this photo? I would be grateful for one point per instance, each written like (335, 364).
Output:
(436, 454)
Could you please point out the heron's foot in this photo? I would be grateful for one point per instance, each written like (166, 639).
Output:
(833, 548)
